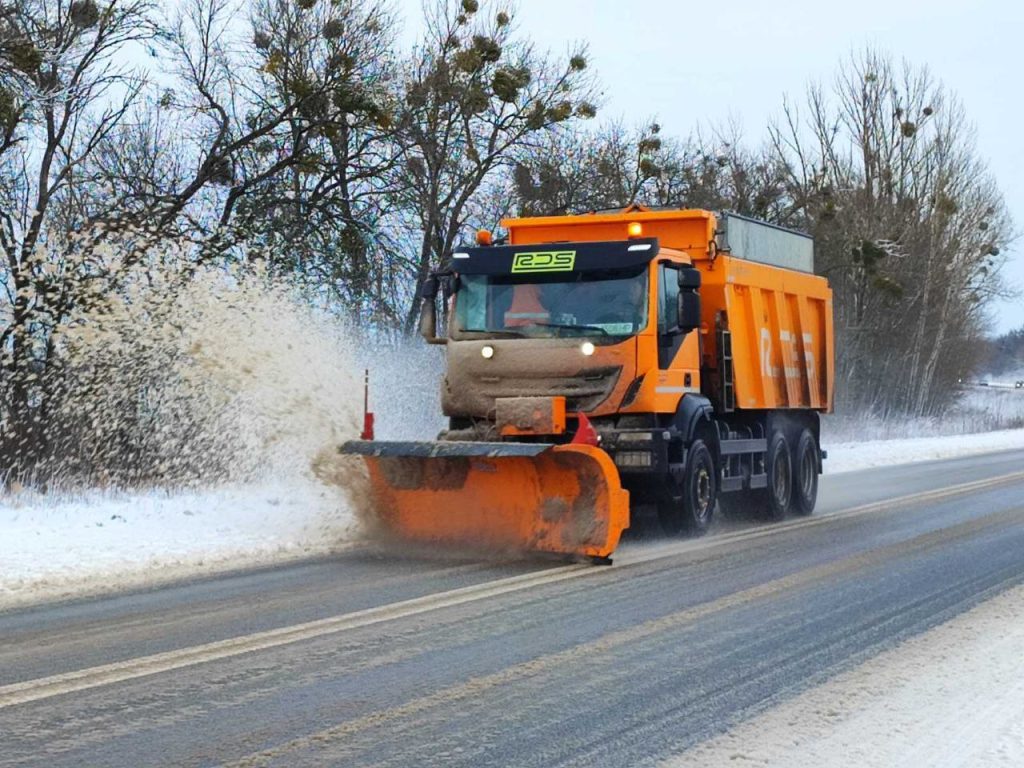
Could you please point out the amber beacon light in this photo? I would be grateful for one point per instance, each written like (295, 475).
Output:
(635, 229)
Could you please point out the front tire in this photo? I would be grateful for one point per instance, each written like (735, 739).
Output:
(805, 474)
(688, 509)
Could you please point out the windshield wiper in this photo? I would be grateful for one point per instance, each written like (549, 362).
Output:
(570, 327)
(496, 332)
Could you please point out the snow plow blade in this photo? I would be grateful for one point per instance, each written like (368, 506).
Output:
(499, 496)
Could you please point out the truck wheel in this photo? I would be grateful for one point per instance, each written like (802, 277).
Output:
(805, 474)
(688, 509)
(780, 476)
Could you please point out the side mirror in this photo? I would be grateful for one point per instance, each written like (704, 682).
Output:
(689, 278)
(428, 320)
(688, 309)
(428, 311)
(430, 286)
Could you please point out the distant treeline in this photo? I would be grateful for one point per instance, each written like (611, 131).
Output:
(301, 137)
(1006, 353)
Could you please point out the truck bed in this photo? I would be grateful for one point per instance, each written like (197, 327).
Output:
(773, 328)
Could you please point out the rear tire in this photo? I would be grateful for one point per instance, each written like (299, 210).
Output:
(688, 509)
(807, 460)
(780, 477)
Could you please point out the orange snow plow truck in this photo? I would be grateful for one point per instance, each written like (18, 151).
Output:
(601, 363)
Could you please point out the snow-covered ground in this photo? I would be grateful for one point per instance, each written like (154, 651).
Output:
(105, 542)
(100, 541)
(952, 697)
(848, 456)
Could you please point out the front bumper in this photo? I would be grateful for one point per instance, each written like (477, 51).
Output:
(638, 452)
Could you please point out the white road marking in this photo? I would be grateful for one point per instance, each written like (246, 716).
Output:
(671, 549)
(118, 672)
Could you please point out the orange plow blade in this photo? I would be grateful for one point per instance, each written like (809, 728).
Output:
(503, 496)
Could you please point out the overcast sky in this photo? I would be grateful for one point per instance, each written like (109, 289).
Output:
(691, 64)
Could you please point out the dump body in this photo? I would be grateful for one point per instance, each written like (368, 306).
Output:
(780, 324)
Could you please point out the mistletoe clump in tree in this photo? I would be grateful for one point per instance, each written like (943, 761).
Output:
(477, 98)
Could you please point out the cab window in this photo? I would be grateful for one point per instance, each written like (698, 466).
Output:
(668, 297)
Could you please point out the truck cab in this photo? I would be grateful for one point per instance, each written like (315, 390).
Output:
(591, 324)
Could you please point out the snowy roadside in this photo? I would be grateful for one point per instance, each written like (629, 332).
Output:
(850, 456)
(953, 697)
(103, 542)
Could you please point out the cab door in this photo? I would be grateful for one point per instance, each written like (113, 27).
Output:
(678, 349)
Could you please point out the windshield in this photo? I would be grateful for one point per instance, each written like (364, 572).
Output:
(608, 303)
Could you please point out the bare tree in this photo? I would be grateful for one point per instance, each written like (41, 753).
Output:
(476, 95)
(102, 169)
(317, 188)
(616, 166)
(908, 223)
(63, 95)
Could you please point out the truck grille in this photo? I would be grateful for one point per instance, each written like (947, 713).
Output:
(582, 393)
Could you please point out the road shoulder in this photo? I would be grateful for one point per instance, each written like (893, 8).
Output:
(953, 696)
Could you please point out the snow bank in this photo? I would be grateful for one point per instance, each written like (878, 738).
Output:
(953, 696)
(849, 456)
(233, 383)
(976, 410)
(59, 546)
(102, 542)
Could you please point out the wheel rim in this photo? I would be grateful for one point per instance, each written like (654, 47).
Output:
(703, 492)
(808, 472)
(780, 482)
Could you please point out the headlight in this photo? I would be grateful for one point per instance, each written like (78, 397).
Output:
(587, 348)
(487, 351)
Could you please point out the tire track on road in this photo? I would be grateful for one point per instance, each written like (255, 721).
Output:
(342, 733)
(109, 674)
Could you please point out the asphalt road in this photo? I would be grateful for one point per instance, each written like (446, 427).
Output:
(374, 659)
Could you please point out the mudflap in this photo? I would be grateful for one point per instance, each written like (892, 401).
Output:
(498, 496)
